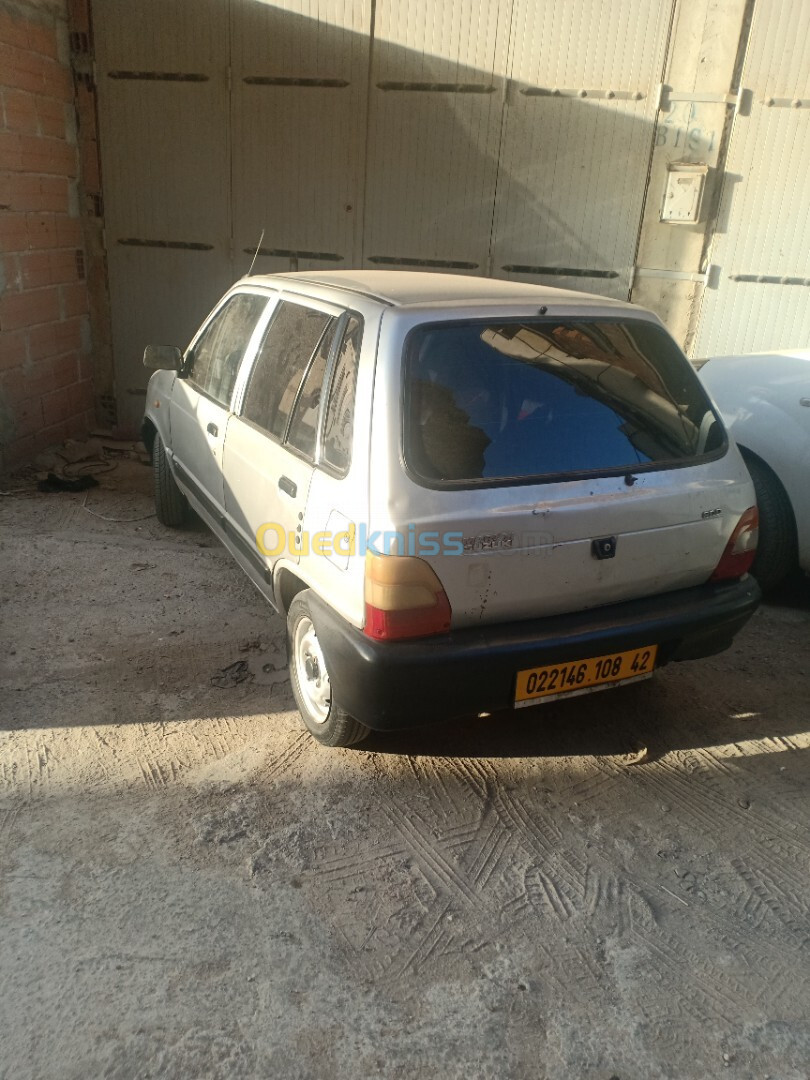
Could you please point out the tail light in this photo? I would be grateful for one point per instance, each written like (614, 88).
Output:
(741, 548)
(404, 598)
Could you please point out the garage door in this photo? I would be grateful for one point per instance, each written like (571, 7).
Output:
(498, 137)
(759, 287)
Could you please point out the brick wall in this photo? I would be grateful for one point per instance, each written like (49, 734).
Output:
(46, 386)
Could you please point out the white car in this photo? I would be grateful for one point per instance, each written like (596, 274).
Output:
(764, 399)
(463, 494)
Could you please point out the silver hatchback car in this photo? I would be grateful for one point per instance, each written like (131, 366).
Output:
(463, 494)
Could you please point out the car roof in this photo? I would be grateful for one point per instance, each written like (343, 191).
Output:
(410, 288)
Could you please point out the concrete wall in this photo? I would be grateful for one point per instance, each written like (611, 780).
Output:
(46, 389)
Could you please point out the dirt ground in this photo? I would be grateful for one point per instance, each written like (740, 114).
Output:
(190, 887)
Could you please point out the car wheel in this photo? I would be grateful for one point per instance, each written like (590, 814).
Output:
(171, 505)
(325, 720)
(776, 551)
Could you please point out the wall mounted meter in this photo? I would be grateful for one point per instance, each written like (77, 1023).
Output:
(684, 193)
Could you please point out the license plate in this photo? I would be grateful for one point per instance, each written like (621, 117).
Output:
(573, 677)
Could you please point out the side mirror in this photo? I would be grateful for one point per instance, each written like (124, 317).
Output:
(162, 357)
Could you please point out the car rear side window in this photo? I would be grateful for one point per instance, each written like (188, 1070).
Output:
(338, 425)
(218, 351)
(290, 343)
(514, 401)
(303, 432)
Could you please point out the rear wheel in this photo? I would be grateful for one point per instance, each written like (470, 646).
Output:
(325, 720)
(171, 505)
(776, 551)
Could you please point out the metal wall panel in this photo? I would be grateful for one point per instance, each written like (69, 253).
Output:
(436, 97)
(577, 140)
(370, 132)
(162, 100)
(759, 294)
(299, 78)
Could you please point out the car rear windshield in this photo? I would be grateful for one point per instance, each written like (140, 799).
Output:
(515, 401)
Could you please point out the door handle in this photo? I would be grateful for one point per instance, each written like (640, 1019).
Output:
(288, 485)
(212, 429)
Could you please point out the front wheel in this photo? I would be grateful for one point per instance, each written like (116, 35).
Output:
(326, 721)
(171, 505)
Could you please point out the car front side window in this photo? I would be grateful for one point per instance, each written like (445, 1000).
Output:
(218, 352)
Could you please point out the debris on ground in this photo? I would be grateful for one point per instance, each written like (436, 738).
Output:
(232, 675)
(52, 482)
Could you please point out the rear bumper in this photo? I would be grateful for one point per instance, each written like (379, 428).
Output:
(388, 686)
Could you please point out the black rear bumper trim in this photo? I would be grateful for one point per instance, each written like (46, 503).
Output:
(389, 686)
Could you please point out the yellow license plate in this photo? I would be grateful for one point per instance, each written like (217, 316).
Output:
(574, 677)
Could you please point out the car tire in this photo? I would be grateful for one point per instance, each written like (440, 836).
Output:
(324, 719)
(171, 505)
(777, 550)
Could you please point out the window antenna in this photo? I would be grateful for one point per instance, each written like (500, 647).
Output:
(256, 255)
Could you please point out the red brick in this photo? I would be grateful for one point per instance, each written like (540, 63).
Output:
(52, 118)
(44, 231)
(27, 418)
(55, 338)
(13, 232)
(64, 370)
(11, 276)
(34, 380)
(13, 349)
(74, 300)
(38, 154)
(39, 379)
(29, 308)
(24, 34)
(39, 268)
(26, 70)
(54, 231)
(86, 366)
(42, 39)
(19, 111)
(69, 333)
(81, 396)
(57, 407)
(13, 31)
(68, 233)
(37, 193)
(42, 341)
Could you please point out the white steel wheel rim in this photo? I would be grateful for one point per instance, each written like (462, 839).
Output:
(310, 668)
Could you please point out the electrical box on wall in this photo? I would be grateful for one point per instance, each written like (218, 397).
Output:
(684, 193)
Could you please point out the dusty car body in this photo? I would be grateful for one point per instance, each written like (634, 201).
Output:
(764, 399)
(463, 494)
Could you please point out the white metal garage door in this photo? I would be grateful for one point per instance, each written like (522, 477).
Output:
(759, 288)
(501, 137)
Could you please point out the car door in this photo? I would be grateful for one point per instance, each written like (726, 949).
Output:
(271, 444)
(201, 399)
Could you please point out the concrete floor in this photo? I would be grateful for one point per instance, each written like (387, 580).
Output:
(191, 888)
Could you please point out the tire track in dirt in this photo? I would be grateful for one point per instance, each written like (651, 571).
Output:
(696, 798)
(283, 762)
(435, 863)
(541, 838)
(788, 905)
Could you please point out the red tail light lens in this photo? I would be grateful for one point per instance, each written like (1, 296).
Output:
(741, 548)
(404, 598)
